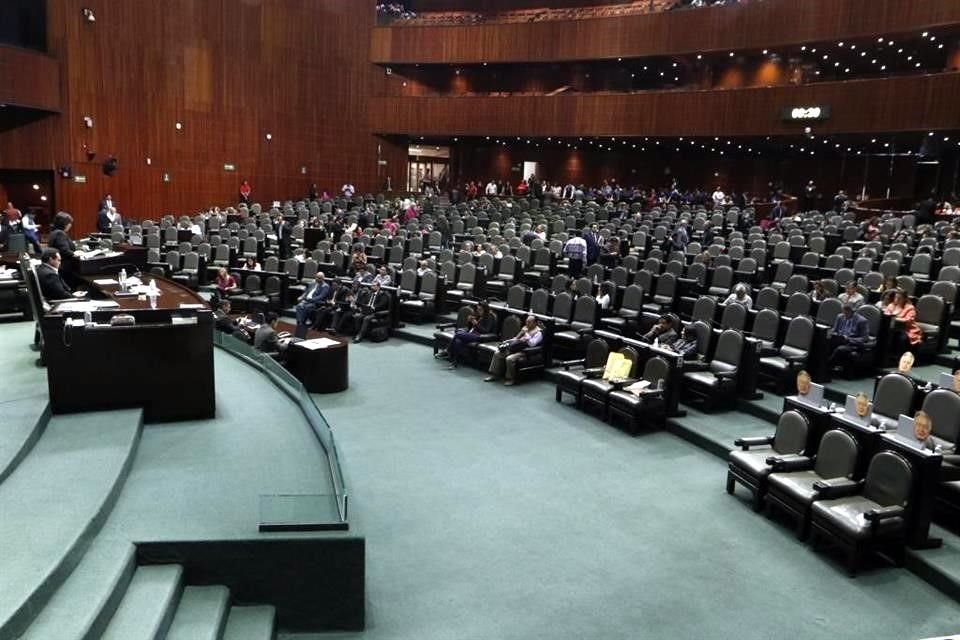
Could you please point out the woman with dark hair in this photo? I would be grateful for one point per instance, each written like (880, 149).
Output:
(908, 334)
(59, 239)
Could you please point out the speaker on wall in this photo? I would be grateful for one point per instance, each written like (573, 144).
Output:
(110, 166)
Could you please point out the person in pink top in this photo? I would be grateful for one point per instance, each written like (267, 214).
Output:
(907, 334)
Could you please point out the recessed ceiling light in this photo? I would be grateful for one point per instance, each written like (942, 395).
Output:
(917, 65)
(839, 44)
(803, 48)
(814, 50)
(924, 34)
(932, 38)
(879, 39)
(765, 52)
(940, 46)
(178, 126)
(731, 54)
(699, 57)
(852, 47)
(883, 67)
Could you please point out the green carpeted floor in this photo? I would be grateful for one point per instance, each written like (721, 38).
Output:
(494, 512)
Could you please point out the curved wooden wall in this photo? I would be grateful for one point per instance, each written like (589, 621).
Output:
(30, 79)
(909, 103)
(769, 23)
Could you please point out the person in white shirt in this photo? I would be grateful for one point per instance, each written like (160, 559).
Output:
(347, 190)
(851, 296)
(491, 189)
(718, 197)
(739, 296)
(604, 298)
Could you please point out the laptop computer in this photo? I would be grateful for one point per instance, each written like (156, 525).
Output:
(850, 411)
(815, 397)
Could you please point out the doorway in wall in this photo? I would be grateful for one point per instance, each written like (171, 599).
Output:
(427, 167)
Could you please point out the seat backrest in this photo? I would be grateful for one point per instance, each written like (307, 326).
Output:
(516, 296)
(629, 353)
(540, 301)
(828, 311)
(734, 317)
(799, 333)
(894, 395)
(597, 352)
(768, 298)
(791, 434)
(798, 304)
(511, 327)
(704, 333)
(705, 308)
(729, 350)
(943, 407)
(585, 310)
(252, 283)
(666, 284)
(632, 298)
(837, 455)
(563, 306)
(656, 370)
(930, 309)
(889, 479)
(784, 271)
(796, 283)
(583, 286)
(722, 278)
(766, 325)
(468, 274)
(428, 283)
(945, 290)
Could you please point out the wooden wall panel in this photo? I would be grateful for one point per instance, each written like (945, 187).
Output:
(911, 103)
(488, 6)
(231, 71)
(30, 79)
(750, 26)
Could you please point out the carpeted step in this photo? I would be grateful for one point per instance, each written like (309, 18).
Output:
(716, 432)
(250, 623)
(201, 614)
(149, 604)
(54, 503)
(23, 422)
(940, 567)
(82, 607)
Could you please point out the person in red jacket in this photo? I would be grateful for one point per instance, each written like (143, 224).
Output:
(522, 188)
(245, 191)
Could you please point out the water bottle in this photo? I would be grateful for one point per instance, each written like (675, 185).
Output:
(123, 280)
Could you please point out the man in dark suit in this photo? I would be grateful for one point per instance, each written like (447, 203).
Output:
(376, 304)
(593, 244)
(308, 304)
(847, 337)
(284, 236)
(265, 339)
(103, 221)
(52, 285)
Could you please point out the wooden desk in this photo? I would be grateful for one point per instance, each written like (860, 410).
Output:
(172, 293)
(165, 368)
(323, 370)
(128, 256)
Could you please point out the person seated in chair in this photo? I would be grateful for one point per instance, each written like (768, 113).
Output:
(265, 338)
(347, 308)
(851, 295)
(849, 333)
(341, 295)
(686, 344)
(483, 321)
(739, 296)
(504, 362)
(662, 332)
(221, 318)
(312, 299)
(377, 303)
(52, 285)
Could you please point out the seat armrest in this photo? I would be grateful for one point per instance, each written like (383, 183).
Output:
(797, 359)
(594, 372)
(620, 383)
(884, 513)
(793, 463)
(585, 330)
(531, 351)
(562, 326)
(726, 375)
(487, 337)
(566, 364)
(835, 488)
(753, 441)
(446, 325)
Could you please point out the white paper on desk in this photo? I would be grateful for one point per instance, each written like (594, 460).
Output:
(318, 343)
(86, 305)
(105, 281)
(191, 305)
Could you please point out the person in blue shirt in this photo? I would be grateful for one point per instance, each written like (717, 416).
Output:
(847, 337)
(310, 302)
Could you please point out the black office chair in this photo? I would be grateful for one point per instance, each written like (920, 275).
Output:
(752, 467)
(646, 407)
(574, 372)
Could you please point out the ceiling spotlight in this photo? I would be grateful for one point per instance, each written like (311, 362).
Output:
(924, 34)
(930, 134)
(940, 46)
(917, 65)
(836, 64)
(900, 50)
(43, 198)
(88, 122)
(852, 47)
(36, 187)
(674, 65)
(88, 15)
(839, 44)
(847, 70)
(874, 61)
(883, 67)
(269, 137)
(814, 50)
(825, 56)
(731, 54)
(764, 52)
(879, 39)
(803, 48)
(863, 53)
(178, 126)
(946, 139)
(909, 58)
(932, 38)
